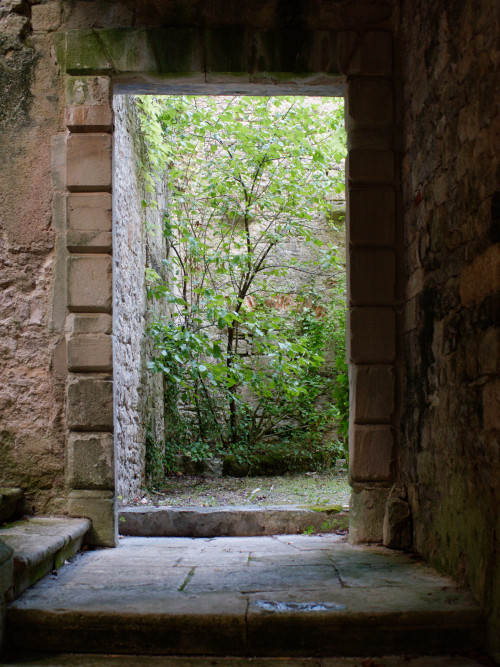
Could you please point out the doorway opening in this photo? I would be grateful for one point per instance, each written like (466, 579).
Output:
(229, 300)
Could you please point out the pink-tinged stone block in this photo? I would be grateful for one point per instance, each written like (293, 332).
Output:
(371, 216)
(369, 103)
(369, 53)
(371, 335)
(91, 118)
(372, 394)
(372, 276)
(89, 211)
(370, 453)
(371, 166)
(90, 283)
(88, 162)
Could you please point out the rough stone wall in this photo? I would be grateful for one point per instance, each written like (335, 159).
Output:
(451, 184)
(137, 244)
(32, 300)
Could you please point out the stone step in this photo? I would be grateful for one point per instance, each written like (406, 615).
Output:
(230, 521)
(10, 499)
(288, 596)
(40, 545)
(85, 660)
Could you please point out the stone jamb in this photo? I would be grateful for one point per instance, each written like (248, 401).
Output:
(89, 395)
(372, 277)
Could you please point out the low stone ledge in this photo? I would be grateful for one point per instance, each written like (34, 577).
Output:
(41, 544)
(230, 521)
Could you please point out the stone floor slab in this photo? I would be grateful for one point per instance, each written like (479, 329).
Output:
(245, 596)
(72, 660)
(262, 577)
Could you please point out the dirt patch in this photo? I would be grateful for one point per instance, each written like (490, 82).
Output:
(319, 490)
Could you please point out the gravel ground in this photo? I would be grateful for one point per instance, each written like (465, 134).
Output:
(318, 489)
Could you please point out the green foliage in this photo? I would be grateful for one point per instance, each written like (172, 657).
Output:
(243, 351)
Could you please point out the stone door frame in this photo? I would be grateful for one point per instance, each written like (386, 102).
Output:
(97, 61)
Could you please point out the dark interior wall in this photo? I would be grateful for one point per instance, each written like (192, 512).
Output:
(451, 185)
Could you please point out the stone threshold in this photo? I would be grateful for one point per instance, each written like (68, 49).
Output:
(231, 521)
(293, 595)
(41, 545)
(106, 660)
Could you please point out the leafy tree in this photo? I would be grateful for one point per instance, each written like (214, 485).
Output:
(244, 176)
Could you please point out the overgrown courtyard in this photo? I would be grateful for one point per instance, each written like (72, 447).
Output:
(317, 490)
(247, 310)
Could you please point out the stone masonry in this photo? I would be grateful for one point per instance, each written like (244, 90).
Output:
(126, 53)
(451, 187)
(421, 82)
(138, 242)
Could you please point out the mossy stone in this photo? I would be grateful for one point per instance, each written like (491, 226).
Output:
(83, 52)
(129, 50)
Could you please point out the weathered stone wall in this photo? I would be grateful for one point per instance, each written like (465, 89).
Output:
(32, 300)
(451, 181)
(137, 243)
(450, 65)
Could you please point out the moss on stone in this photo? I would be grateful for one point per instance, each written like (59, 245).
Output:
(82, 51)
(39, 571)
(128, 50)
(326, 509)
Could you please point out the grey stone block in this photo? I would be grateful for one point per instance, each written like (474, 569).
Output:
(90, 404)
(230, 521)
(90, 461)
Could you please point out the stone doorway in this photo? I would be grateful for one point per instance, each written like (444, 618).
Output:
(361, 67)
